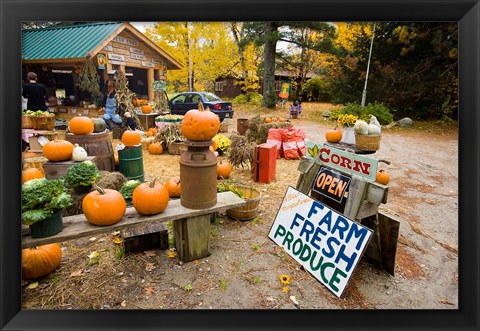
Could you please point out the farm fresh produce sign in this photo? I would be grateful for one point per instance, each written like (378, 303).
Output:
(323, 241)
(344, 161)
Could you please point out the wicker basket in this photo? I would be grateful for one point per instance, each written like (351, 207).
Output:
(368, 142)
(26, 123)
(34, 162)
(250, 209)
(42, 122)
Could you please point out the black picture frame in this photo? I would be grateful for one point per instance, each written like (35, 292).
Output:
(465, 12)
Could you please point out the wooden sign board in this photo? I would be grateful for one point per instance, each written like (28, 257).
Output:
(331, 184)
(323, 241)
(347, 162)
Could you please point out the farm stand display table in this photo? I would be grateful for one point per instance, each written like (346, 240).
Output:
(191, 226)
(147, 120)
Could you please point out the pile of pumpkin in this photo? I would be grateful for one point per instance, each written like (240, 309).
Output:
(273, 119)
(144, 105)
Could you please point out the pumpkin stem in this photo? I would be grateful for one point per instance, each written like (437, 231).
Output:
(152, 183)
(99, 189)
(200, 106)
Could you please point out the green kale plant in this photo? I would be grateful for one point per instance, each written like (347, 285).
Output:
(42, 197)
(82, 174)
(127, 189)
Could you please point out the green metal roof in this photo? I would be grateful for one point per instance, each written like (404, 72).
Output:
(65, 42)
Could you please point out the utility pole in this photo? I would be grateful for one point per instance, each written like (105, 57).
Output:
(364, 94)
(190, 64)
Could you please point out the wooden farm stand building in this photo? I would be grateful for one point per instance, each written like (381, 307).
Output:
(57, 54)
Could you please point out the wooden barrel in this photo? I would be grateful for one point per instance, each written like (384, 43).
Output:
(96, 144)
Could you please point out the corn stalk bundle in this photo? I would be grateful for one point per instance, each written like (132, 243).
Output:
(241, 152)
(89, 80)
(124, 97)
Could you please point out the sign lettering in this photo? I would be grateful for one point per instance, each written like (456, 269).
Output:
(116, 57)
(126, 41)
(137, 56)
(157, 61)
(108, 48)
(331, 184)
(121, 51)
(347, 162)
(136, 51)
(147, 64)
(119, 63)
(324, 242)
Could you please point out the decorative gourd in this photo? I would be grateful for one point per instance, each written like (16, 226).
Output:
(104, 206)
(99, 125)
(31, 173)
(146, 109)
(334, 135)
(173, 187)
(374, 129)
(224, 168)
(58, 150)
(155, 148)
(131, 138)
(382, 177)
(81, 125)
(150, 198)
(200, 124)
(79, 153)
(40, 261)
(361, 127)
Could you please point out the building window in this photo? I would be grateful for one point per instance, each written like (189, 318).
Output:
(218, 86)
(278, 85)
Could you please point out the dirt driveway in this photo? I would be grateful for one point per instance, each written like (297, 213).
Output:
(244, 268)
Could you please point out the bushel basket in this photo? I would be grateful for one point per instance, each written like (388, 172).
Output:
(42, 122)
(250, 209)
(368, 142)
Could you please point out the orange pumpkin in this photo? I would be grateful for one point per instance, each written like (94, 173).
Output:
(40, 261)
(31, 173)
(150, 198)
(224, 168)
(148, 134)
(146, 109)
(81, 125)
(153, 131)
(173, 187)
(333, 135)
(281, 119)
(58, 150)
(155, 148)
(131, 138)
(28, 154)
(267, 120)
(383, 177)
(200, 124)
(274, 119)
(104, 206)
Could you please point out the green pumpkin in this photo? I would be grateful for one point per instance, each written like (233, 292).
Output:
(99, 125)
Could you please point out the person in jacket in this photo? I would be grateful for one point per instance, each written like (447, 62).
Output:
(35, 93)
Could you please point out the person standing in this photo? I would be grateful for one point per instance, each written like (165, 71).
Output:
(35, 93)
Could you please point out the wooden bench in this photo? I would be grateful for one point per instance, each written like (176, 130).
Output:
(191, 227)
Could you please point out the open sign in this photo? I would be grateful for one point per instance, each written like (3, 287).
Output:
(331, 184)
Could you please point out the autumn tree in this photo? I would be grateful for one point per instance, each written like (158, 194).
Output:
(267, 34)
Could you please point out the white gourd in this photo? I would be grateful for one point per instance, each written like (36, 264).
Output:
(373, 129)
(79, 153)
(361, 127)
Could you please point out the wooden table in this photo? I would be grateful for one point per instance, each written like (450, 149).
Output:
(191, 226)
(147, 120)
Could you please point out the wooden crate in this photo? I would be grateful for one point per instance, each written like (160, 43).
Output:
(35, 143)
(54, 170)
(144, 238)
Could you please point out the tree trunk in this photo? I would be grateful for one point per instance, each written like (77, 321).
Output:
(269, 94)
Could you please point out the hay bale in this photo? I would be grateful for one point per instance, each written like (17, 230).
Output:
(112, 180)
(258, 130)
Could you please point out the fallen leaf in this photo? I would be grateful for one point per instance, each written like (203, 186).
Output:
(117, 240)
(124, 303)
(24, 282)
(150, 267)
(196, 262)
(32, 286)
(294, 300)
(94, 258)
(150, 253)
(116, 233)
(76, 273)
(445, 302)
(93, 255)
(285, 289)
(149, 290)
(93, 239)
(171, 254)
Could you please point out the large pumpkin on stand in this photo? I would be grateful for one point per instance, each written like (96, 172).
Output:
(104, 206)
(200, 124)
(150, 198)
(58, 150)
(131, 138)
(81, 125)
(333, 136)
(146, 109)
(40, 261)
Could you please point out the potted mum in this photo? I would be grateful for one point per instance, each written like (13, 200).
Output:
(43, 201)
(347, 121)
(81, 176)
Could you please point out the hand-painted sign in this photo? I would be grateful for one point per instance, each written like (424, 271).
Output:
(347, 162)
(331, 184)
(137, 56)
(126, 41)
(116, 57)
(323, 241)
(102, 61)
(136, 51)
(147, 64)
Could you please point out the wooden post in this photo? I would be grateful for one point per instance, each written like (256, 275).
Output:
(144, 238)
(192, 237)
(308, 169)
(150, 83)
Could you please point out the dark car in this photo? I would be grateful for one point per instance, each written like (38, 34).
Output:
(185, 101)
